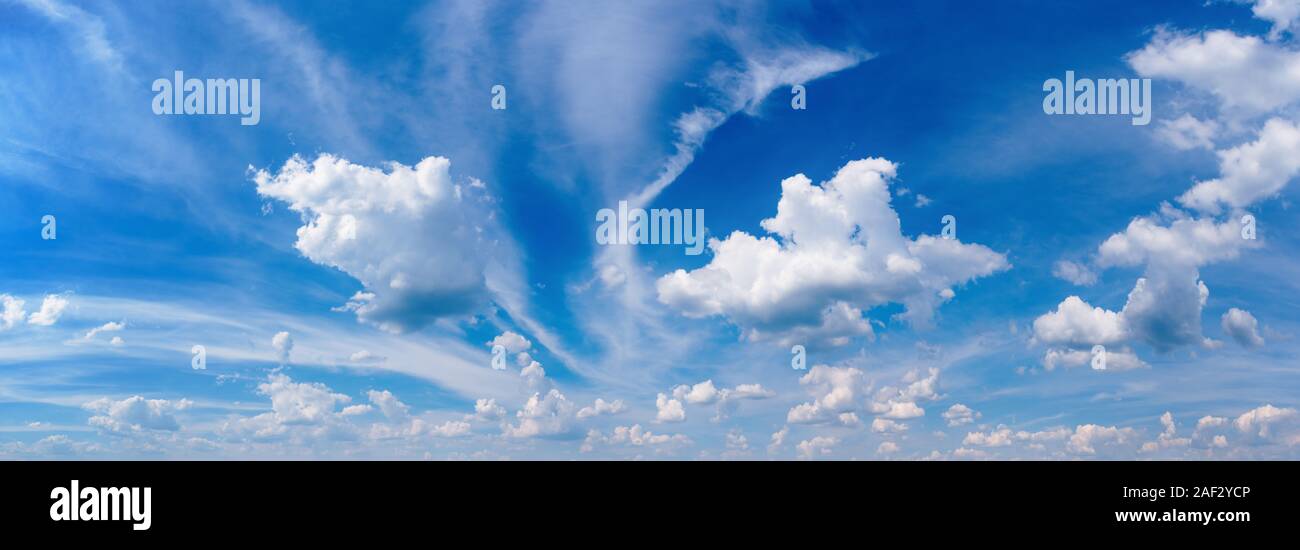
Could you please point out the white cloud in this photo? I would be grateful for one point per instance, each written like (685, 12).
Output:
(959, 414)
(668, 409)
(1270, 423)
(888, 447)
(542, 416)
(1284, 14)
(1077, 323)
(1242, 327)
(836, 250)
(13, 311)
(1000, 437)
(778, 439)
(450, 428)
(111, 326)
(819, 445)
(420, 243)
(1073, 272)
(1088, 437)
(1188, 132)
(388, 404)
(487, 409)
(282, 343)
(602, 407)
(1251, 171)
(1164, 307)
(51, 309)
(1245, 73)
(899, 409)
(364, 356)
(747, 391)
(511, 341)
(635, 436)
(1167, 438)
(300, 402)
(884, 425)
(1183, 241)
(836, 390)
(699, 394)
(1117, 359)
(135, 414)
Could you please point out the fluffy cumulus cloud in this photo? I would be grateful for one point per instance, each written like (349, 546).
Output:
(1164, 307)
(51, 309)
(298, 409)
(817, 446)
(669, 409)
(512, 342)
(135, 414)
(1188, 132)
(960, 414)
(1087, 438)
(1252, 171)
(601, 408)
(1259, 428)
(299, 402)
(1242, 327)
(1284, 14)
(1245, 73)
(1269, 423)
(543, 415)
(633, 436)
(834, 251)
(12, 312)
(1075, 322)
(1168, 437)
(1074, 272)
(417, 241)
(282, 343)
(837, 389)
(706, 393)
(487, 409)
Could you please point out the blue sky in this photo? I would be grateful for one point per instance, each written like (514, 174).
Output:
(348, 263)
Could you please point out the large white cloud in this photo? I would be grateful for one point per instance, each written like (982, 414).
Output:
(1077, 323)
(1251, 171)
(543, 415)
(300, 402)
(51, 309)
(1284, 14)
(1245, 73)
(1164, 307)
(135, 414)
(836, 390)
(834, 251)
(1242, 327)
(13, 312)
(419, 242)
